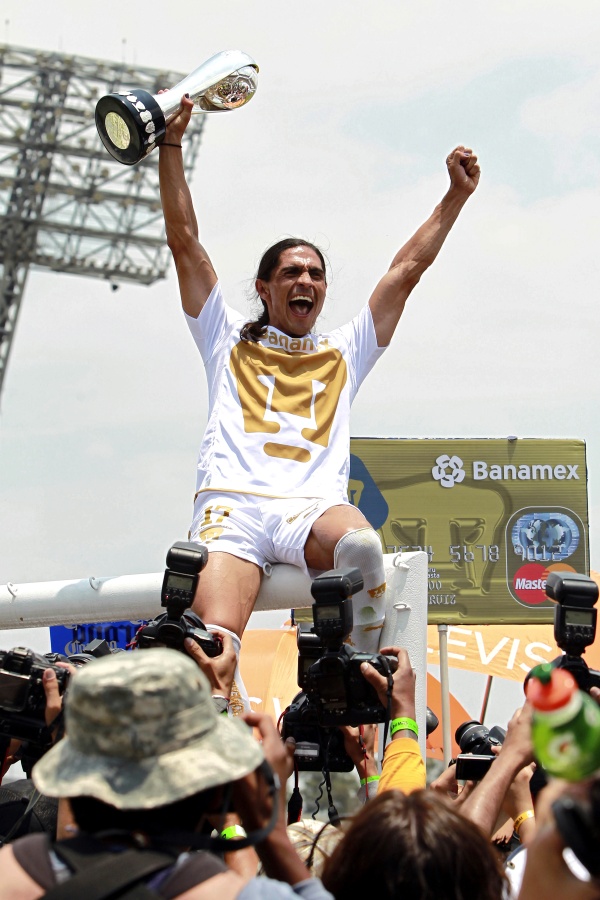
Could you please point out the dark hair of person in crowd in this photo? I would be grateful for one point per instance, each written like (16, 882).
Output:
(93, 816)
(415, 847)
(253, 331)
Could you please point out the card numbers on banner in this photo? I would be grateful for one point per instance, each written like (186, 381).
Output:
(483, 551)
(467, 568)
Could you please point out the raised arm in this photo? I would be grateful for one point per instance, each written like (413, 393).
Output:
(389, 297)
(194, 268)
(483, 805)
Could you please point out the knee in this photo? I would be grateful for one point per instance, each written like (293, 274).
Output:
(359, 547)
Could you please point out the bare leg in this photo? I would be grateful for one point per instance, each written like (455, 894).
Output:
(227, 591)
(225, 598)
(326, 532)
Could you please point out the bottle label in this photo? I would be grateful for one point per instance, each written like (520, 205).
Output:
(563, 752)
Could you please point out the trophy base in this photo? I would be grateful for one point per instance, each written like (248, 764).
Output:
(130, 124)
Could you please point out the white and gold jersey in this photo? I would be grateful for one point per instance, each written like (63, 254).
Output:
(279, 410)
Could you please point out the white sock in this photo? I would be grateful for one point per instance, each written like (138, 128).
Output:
(362, 548)
(239, 702)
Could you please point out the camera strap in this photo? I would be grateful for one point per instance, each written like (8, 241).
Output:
(35, 796)
(388, 712)
(102, 875)
(224, 845)
(334, 816)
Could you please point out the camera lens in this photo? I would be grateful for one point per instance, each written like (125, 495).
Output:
(473, 737)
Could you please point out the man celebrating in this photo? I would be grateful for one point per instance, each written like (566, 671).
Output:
(274, 462)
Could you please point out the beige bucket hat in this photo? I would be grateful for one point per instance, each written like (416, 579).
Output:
(141, 732)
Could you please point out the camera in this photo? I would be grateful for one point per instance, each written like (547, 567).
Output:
(22, 696)
(473, 737)
(329, 669)
(185, 561)
(476, 743)
(23, 699)
(94, 650)
(574, 623)
(334, 691)
(317, 748)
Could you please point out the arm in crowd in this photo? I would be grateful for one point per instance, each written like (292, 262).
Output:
(276, 852)
(484, 804)
(220, 671)
(359, 744)
(518, 804)
(403, 767)
(251, 801)
(549, 871)
(65, 823)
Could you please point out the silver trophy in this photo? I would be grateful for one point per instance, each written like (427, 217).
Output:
(132, 123)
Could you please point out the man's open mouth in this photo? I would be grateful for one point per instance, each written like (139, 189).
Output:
(301, 306)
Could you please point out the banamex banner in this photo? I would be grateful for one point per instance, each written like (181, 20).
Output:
(494, 515)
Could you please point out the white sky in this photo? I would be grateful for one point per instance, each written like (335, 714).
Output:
(104, 401)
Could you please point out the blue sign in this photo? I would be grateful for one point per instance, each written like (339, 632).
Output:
(73, 639)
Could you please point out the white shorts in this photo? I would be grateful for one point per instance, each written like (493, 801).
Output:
(259, 529)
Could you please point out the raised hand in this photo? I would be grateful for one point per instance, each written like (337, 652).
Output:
(220, 669)
(179, 122)
(463, 169)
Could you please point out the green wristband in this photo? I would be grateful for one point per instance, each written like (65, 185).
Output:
(233, 831)
(369, 779)
(403, 725)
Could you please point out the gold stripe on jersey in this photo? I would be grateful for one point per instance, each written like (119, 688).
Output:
(222, 490)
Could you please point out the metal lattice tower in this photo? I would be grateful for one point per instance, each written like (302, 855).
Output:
(65, 204)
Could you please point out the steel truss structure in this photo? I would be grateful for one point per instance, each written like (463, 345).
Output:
(65, 204)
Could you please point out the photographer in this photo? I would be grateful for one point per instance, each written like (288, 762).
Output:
(17, 815)
(403, 767)
(52, 716)
(148, 759)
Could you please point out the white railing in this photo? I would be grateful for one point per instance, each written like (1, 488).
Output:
(134, 597)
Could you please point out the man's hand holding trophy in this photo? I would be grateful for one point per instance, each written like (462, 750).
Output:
(131, 123)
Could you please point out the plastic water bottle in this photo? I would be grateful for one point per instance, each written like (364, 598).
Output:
(566, 724)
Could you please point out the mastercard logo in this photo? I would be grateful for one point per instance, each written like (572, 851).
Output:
(529, 582)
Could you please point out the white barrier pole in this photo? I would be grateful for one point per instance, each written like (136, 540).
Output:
(138, 596)
(135, 597)
(132, 597)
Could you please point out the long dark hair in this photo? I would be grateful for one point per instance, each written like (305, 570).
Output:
(416, 847)
(254, 330)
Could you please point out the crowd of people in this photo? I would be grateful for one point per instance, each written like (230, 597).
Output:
(162, 794)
